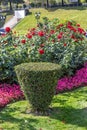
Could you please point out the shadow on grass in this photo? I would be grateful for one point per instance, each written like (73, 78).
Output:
(70, 115)
(77, 93)
(66, 8)
(23, 123)
(67, 113)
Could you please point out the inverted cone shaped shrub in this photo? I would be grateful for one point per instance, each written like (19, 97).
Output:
(38, 80)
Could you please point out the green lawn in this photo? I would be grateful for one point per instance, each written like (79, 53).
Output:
(78, 14)
(69, 113)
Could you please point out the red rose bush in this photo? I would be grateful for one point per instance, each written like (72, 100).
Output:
(51, 41)
(64, 44)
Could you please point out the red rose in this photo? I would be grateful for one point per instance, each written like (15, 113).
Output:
(41, 33)
(23, 41)
(52, 31)
(61, 33)
(74, 30)
(53, 40)
(33, 29)
(33, 33)
(7, 29)
(72, 36)
(59, 36)
(84, 33)
(41, 51)
(29, 36)
(80, 30)
(60, 25)
(69, 26)
(65, 44)
(78, 25)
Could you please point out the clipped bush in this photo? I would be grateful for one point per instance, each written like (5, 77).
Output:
(38, 80)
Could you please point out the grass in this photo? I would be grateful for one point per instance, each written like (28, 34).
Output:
(76, 13)
(69, 113)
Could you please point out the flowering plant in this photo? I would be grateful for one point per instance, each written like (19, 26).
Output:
(9, 93)
(51, 41)
(77, 80)
(11, 54)
(63, 43)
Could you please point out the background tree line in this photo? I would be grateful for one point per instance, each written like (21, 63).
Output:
(39, 3)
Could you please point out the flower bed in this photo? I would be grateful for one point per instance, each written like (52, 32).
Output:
(50, 41)
(68, 83)
(9, 93)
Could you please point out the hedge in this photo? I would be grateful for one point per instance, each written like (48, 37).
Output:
(38, 81)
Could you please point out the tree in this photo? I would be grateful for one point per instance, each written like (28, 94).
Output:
(14, 1)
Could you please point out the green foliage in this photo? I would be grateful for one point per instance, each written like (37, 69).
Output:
(74, 58)
(38, 81)
(10, 56)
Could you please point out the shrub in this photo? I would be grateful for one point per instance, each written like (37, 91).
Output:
(11, 53)
(63, 43)
(38, 81)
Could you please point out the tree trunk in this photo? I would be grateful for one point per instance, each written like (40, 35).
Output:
(47, 3)
(10, 4)
(62, 3)
(78, 2)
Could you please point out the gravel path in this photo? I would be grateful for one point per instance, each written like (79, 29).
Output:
(11, 23)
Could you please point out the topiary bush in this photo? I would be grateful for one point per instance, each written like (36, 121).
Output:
(38, 80)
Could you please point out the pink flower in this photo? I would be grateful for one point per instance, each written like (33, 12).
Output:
(68, 83)
(8, 93)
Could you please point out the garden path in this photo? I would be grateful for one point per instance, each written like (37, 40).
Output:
(11, 23)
